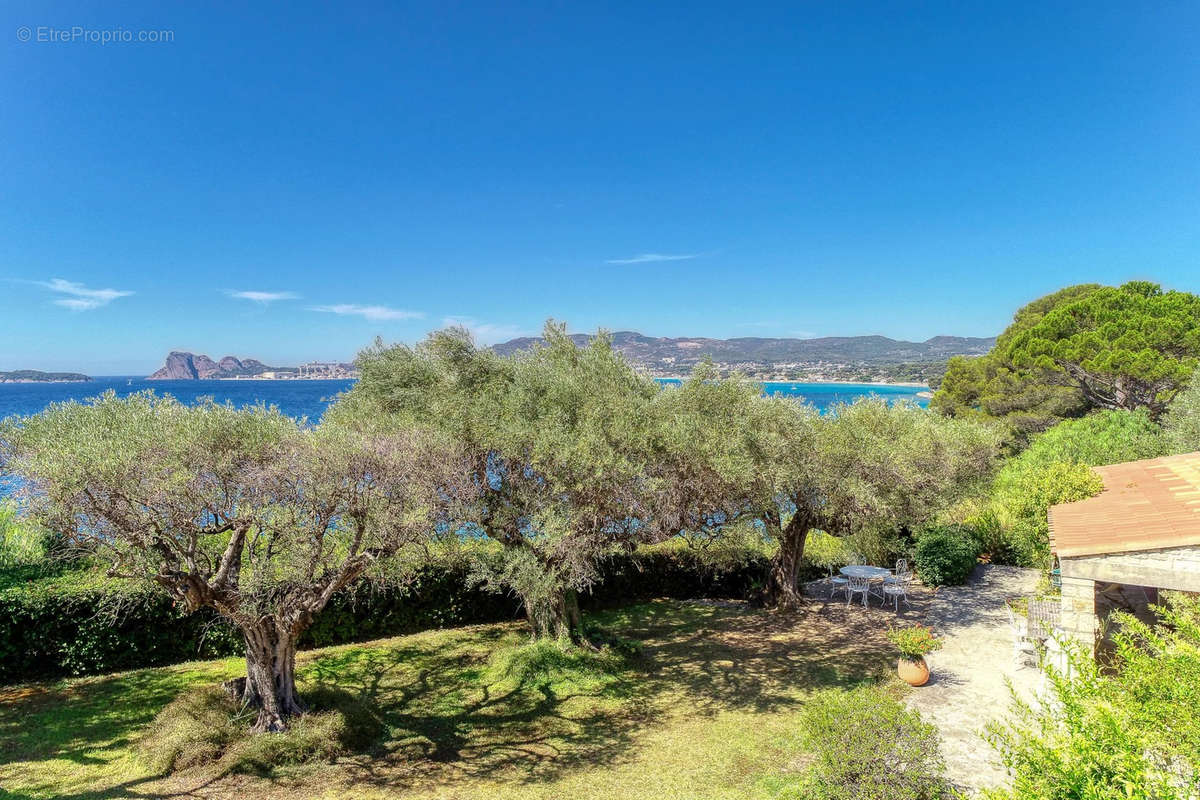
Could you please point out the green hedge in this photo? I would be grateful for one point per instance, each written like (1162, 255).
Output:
(79, 623)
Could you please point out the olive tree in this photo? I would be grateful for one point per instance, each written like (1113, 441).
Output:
(746, 456)
(866, 466)
(577, 422)
(886, 466)
(872, 467)
(242, 511)
(562, 450)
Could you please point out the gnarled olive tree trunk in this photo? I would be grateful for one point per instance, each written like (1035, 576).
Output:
(556, 616)
(783, 580)
(270, 682)
(551, 606)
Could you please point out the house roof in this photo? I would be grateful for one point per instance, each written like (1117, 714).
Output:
(1146, 505)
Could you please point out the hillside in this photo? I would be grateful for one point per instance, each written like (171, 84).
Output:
(37, 376)
(833, 353)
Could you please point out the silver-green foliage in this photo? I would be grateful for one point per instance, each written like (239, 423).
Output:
(562, 443)
(863, 744)
(244, 511)
(21, 541)
(885, 465)
(862, 471)
(193, 496)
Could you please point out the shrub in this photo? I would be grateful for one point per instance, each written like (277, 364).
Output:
(1025, 498)
(206, 727)
(945, 556)
(915, 641)
(60, 621)
(21, 542)
(865, 745)
(1055, 469)
(56, 621)
(545, 661)
(1127, 729)
(1103, 437)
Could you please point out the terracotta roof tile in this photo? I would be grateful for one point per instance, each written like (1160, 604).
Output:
(1145, 505)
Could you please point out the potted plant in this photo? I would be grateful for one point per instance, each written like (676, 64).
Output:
(914, 643)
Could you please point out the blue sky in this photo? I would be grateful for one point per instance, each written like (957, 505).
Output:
(800, 169)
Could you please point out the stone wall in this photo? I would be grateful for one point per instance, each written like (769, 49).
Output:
(1079, 609)
(1172, 568)
(1175, 568)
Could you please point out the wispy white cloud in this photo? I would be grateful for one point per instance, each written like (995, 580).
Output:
(486, 332)
(646, 258)
(79, 297)
(372, 313)
(264, 297)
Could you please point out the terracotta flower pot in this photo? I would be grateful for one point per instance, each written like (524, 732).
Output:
(914, 673)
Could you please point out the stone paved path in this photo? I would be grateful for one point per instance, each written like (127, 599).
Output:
(967, 687)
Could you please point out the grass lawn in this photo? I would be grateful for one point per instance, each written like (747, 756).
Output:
(709, 711)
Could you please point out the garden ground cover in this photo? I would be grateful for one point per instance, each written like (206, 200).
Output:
(709, 710)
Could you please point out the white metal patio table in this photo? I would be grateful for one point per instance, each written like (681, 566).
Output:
(872, 574)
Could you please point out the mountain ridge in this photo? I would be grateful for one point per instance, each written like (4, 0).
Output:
(822, 357)
(663, 353)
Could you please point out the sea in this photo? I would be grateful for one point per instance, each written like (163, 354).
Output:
(309, 399)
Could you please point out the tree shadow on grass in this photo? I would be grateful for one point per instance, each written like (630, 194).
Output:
(740, 659)
(450, 713)
(96, 714)
(86, 722)
(447, 712)
(451, 717)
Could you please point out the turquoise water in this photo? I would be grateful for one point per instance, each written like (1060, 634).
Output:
(823, 395)
(310, 398)
(295, 398)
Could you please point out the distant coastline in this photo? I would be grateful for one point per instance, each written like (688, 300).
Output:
(37, 376)
(904, 384)
(181, 365)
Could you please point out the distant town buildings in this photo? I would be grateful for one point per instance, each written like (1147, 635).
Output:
(315, 370)
(312, 371)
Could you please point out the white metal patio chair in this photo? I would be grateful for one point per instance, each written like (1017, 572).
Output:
(896, 587)
(901, 568)
(858, 586)
(1024, 647)
(836, 582)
